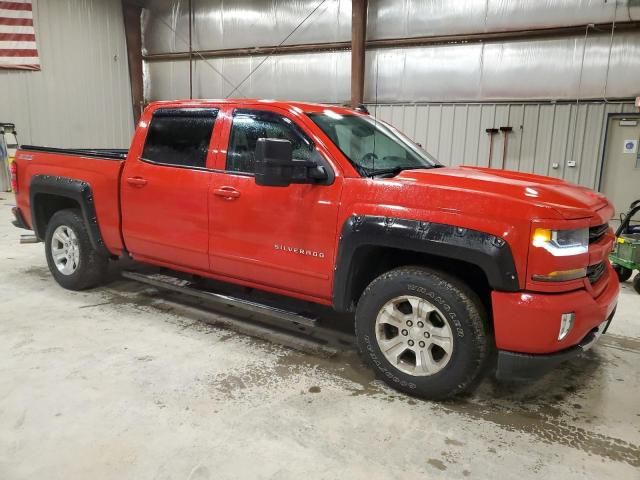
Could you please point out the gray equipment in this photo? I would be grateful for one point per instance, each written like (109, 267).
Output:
(8, 146)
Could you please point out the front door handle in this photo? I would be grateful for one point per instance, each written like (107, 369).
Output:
(227, 192)
(137, 181)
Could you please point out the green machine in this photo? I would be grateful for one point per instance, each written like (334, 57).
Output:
(626, 253)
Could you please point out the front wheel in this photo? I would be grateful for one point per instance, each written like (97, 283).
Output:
(623, 273)
(636, 283)
(423, 332)
(72, 260)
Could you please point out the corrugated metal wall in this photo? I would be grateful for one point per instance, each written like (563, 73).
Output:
(491, 71)
(319, 77)
(552, 68)
(81, 97)
(542, 135)
(596, 67)
(246, 23)
(415, 18)
(533, 79)
(242, 23)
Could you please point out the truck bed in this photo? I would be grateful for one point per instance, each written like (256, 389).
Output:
(98, 167)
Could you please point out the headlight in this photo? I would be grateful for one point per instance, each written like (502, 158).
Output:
(562, 243)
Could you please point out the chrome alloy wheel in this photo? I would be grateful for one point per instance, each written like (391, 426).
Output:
(414, 336)
(65, 250)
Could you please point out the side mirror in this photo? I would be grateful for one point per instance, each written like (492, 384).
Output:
(275, 166)
(274, 162)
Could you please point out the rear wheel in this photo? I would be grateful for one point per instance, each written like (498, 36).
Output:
(423, 332)
(636, 283)
(71, 258)
(623, 273)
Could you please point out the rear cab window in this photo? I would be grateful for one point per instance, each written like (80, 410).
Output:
(179, 137)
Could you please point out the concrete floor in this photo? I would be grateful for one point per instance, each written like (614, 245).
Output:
(119, 383)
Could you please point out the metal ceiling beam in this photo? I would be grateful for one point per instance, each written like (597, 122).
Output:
(394, 42)
(252, 51)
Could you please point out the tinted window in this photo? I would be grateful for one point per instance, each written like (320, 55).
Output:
(250, 125)
(179, 136)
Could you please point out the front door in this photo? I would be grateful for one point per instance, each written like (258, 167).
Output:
(280, 237)
(621, 169)
(165, 190)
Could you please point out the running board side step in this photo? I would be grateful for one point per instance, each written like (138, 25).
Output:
(186, 287)
(29, 238)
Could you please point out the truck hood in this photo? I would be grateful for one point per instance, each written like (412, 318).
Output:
(551, 196)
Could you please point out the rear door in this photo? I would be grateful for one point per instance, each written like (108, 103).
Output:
(279, 237)
(165, 189)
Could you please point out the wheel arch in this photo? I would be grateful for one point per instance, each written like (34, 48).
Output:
(371, 245)
(50, 194)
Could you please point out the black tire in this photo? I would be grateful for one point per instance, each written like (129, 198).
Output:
(623, 273)
(466, 318)
(636, 283)
(91, 267)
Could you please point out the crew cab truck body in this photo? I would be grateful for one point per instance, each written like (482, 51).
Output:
(442, 266)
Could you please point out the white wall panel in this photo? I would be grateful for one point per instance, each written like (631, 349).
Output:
(317, 77)
(550, 68)
(416, 18)
(529, 142)
(460, 117)
(537, 69)
(542, 135)
(541, 69)
(242, 23)
(246, 23)
(81, 97)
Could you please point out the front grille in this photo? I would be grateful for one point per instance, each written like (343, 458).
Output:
(594, 272)
(596, 233)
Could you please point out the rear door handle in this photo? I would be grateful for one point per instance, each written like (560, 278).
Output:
(137, 181)
(227, 192)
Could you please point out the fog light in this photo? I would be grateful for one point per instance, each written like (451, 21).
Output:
(566, 324)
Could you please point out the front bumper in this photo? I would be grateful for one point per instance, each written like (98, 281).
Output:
(529, 322)
(19, 219)
(515, 366)
(526, 325)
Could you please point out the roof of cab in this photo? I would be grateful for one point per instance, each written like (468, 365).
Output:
(306, 107)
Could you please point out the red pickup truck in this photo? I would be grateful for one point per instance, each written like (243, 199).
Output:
(448, 270)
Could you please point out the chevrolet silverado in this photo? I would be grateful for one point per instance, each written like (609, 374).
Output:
(448, 270)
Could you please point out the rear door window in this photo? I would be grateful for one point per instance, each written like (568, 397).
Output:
(180, 137)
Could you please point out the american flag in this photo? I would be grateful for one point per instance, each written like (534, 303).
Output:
(17, 36)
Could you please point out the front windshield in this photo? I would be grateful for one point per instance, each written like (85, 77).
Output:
(373, 147)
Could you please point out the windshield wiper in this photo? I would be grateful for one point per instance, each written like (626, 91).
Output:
(392, 172)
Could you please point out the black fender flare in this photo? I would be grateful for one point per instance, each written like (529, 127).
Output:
(77, 190)
(490, 253)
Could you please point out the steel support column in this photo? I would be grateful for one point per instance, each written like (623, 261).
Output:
(358, 38)
(133, 35)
